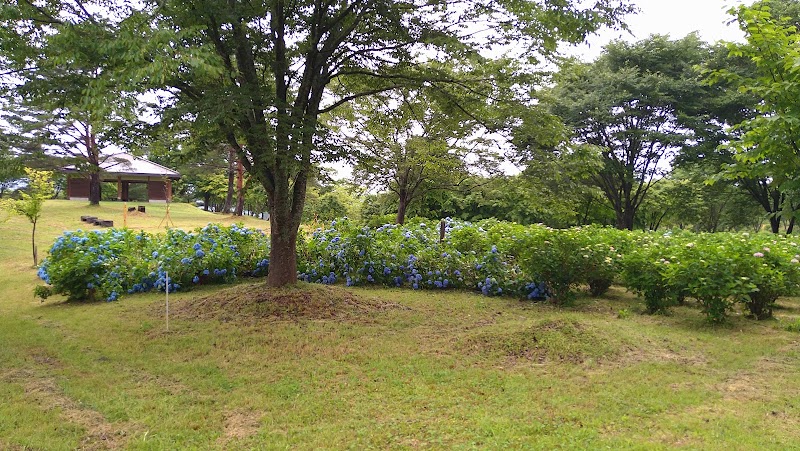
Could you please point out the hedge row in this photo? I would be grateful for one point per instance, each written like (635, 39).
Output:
(493, 257)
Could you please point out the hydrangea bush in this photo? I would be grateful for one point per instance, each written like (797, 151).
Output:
(496, 258)
(719, 270)
(106, 264)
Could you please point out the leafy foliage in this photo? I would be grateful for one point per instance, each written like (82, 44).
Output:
(261, 75)
(634, 105)
(767, 144)
(107, 264)
(720, 270)
(40, 188)
(416, 147)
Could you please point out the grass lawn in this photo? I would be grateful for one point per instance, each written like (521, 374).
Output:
(243, 367)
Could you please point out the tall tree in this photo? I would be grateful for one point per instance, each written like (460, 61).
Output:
(263, 72)
(409, 146)
(724, 105)
(766, 146)
(557, 178)
(54, 68)
(632, 103)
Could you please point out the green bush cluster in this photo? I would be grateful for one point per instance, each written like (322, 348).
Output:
(106, 264)
(491, 256)
(718, 270)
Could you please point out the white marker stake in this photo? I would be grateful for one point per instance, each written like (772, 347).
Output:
(167, 276)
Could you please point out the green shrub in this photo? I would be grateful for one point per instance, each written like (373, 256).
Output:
(794, 326)
(107, 264)
(645, 273)
(602, 258)
(719, 270)
(557, 258)
(42, 292)
(772, 264)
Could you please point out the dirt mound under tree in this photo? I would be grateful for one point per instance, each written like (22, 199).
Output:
(251, 303)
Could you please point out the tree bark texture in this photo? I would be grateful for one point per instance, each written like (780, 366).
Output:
(231, 176)
(402, 205)
(95, 189)
(239, 189)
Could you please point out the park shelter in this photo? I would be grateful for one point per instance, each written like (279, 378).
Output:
(124, 169)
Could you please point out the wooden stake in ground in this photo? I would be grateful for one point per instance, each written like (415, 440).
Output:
(167, 221)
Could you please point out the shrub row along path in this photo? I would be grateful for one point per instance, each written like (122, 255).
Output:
(328, 367)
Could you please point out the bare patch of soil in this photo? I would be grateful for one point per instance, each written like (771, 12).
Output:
(757, 383)
(656, 353)
(240, 424)
(41, 357)
(258, 303)
(100, 434)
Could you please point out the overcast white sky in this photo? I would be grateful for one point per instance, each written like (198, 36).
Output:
(676, 18)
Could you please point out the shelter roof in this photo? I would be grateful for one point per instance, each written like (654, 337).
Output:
(126, 164)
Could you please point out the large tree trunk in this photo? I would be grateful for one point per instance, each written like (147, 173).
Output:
(239, 189)
(283, 235)
(282, 256)
(231, 176)
(93, 158)
(206, 201)
(625, 219)
(775, 223)
(403, 194)
(402, 206)
(94, 188)
(620, 220)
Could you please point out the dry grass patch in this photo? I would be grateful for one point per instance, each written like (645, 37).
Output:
(239, 424)
(760, 382)
(257, 303)
(47, 395)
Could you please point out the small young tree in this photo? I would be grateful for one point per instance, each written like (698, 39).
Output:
(40, 188)
(410, 145)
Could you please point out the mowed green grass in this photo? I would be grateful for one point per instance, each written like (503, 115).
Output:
(244, 367)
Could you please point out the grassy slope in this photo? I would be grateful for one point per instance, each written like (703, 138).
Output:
(430, 370)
